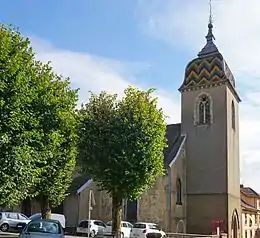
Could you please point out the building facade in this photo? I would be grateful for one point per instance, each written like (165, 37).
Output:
(250, 204)
(210, 121)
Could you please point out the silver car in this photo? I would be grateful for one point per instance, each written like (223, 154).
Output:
(11, 220)
(42, 228)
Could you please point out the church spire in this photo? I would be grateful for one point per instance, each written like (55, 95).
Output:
(210, 47)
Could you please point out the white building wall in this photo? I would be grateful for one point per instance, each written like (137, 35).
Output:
(250, 223)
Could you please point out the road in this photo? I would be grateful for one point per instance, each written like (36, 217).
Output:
(15, 235)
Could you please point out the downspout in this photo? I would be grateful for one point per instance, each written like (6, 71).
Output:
(169, 199)
(78, 197)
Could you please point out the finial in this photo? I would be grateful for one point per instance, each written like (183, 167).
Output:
(210, 12)
(210, 36)
(210, 47)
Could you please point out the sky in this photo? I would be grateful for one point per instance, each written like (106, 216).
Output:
(108, 45)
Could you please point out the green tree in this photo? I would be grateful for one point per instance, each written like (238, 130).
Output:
(37, 125)
(121, 144)
(57, 149)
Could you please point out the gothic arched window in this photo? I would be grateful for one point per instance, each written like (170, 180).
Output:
(204, 110)
(179, 192)
(233, 115)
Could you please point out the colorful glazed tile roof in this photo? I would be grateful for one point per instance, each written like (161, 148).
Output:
(209, 69)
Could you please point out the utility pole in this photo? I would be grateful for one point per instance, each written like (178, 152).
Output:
(91, 200)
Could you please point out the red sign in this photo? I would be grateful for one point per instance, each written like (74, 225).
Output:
(217, 223)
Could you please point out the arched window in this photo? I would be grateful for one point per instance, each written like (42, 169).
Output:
(179, 192)
(233, 115)
(204, 110)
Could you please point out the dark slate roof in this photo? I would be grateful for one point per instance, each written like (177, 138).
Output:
(77, 182)
(175, 139)
(249, 191)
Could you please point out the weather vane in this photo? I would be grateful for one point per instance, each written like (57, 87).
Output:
(210, 12)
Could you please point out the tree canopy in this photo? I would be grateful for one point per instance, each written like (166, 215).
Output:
(37, 124)
(121, 143)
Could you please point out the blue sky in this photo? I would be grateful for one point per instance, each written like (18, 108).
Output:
(107, 45)
(107, 28)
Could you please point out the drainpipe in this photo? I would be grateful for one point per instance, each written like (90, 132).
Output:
(78, 197)
(169, 199)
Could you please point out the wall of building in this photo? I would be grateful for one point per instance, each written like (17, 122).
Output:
(152, 206)
(233, 160)
(250, 221)
(70, 210)
(101, 210)
(177, 220)
(250, 200)
(206, 153)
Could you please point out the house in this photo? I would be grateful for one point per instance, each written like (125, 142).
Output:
(250, 203)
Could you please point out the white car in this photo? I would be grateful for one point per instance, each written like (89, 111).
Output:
(54, 216)
(142, 229)
(97, 227)
(125, 228)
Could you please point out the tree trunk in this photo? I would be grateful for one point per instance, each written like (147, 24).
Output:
(45, 208)
(116, 216)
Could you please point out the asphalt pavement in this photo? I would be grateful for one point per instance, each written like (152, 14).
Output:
(15, 235)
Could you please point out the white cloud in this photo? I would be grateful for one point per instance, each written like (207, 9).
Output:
(236, 24)
(93, 73)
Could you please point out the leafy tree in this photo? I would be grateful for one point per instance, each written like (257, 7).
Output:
(121, 144)
(37, 125)
(57, 149)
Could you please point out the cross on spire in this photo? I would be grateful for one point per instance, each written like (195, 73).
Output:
(210, 12)
(210, 47)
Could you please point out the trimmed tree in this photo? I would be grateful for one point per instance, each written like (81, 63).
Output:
(121, 144)
(58, 143)
(37, 126)
(17, 120)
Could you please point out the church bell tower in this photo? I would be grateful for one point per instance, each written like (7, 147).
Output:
(210, 121)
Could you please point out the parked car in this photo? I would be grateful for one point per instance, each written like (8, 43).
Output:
(42, 228)
(54, 216)
(11, 220)
(125, 228)
(146, 230)
(97, 227)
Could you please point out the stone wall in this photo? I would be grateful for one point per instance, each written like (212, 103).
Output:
(101, 210)
(157, 205)
(152, 206)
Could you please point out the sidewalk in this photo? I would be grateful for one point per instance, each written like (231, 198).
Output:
(15, 235)
(8, 235)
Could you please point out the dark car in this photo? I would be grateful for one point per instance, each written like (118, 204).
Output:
(42, 228)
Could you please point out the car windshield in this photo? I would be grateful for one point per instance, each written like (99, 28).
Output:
(44, 226)
(154, 226)
(35, 216)
(109, 223)
(83, 224)
(139, 225)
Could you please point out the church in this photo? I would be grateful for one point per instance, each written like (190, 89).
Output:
(201, 188)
